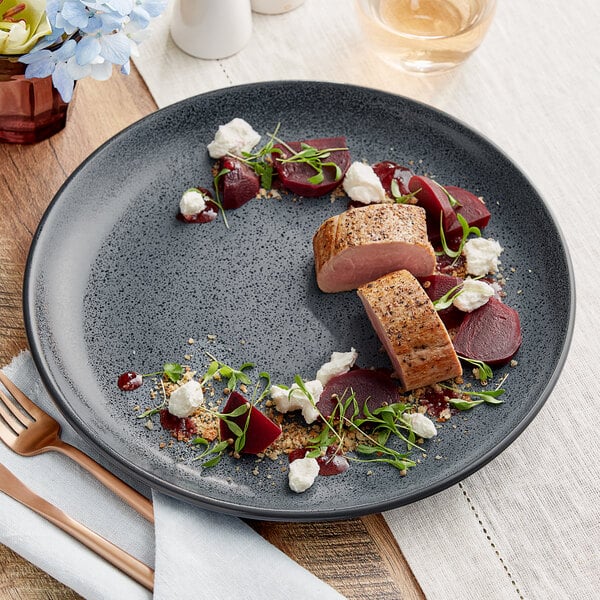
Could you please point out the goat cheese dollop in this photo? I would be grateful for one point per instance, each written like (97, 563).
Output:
(482, 256)
(234, 137)
(473, 294)
(362, 184)
(186, 399)
(339, 363)
(192, 202)
(421, 425)
(302, 474)
(294, 398)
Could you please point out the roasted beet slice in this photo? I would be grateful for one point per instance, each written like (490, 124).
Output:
(375, 387)
(437, 286)
(491, 334)
(471, 208)
(387, 171)
(261, 432)
(239, 185)
(295, 176)
(431, 196)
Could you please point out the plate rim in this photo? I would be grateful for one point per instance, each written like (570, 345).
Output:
(271, 514)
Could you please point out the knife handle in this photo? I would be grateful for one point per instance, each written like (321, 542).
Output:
(122, 560)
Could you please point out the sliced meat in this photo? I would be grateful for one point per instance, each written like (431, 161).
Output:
(365, 243)
(410, 329)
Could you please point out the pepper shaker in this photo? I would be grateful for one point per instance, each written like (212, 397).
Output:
(211, 28)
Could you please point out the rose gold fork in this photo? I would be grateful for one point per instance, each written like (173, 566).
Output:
(28, 430)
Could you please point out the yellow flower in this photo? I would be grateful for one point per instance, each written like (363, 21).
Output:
(22, 24)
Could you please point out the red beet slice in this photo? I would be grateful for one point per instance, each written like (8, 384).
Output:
(261, 432)
(295, 176)
(387, 171)
(332, 463)
(437, 286)
(471, 208)
(376, 388)
(434, 200)
(239, 185)
(491, 333)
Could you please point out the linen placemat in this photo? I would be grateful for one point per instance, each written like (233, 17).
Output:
(524, 526)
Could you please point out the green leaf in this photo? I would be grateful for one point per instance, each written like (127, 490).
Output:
(212, 462)
(173, 371)
(200, 440)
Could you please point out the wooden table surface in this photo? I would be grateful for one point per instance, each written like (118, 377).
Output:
(359, 557)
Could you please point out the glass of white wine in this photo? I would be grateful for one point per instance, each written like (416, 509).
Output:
(425, 36)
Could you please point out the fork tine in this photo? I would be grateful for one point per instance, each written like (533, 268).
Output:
(11, 420)
(21, 399)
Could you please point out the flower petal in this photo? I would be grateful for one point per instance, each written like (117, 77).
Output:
(87, 50)
(63, 82)
(115, 48)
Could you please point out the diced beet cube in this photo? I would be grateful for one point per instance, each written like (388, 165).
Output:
(261, 432)
(239, 185)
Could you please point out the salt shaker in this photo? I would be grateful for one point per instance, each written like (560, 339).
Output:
(211, 28)
(275, 7)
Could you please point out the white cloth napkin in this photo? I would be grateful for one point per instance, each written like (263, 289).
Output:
(525, 526)
(195, 553)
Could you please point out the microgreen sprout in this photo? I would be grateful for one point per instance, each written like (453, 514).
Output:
(217, 198)
(314, 158)
(466, 231)
(484, 371)
(453, 201)
(489, 397)
(447, 299)
(400, 198)
(218, 370)
(258, 160)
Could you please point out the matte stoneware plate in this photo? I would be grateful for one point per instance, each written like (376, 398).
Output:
(115, 282)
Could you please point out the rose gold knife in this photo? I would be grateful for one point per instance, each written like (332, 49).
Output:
(137, 570)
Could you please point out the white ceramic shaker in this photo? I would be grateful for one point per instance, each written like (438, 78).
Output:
(275, 7)
(211, 28)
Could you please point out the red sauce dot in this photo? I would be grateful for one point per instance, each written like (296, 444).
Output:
(129, 381)
(175, 424)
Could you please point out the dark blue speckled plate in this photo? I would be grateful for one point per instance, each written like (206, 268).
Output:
(115, 282)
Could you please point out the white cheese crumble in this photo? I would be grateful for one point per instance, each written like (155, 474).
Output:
(482, 256)
(234, 137)
(295, 399)
(302, 474)
(192, 202)
(473, 294)
(186, 399)
(421, 425)
(339, 363)
(362, 184)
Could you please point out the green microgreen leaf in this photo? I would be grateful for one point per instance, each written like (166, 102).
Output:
(173, 371)
(466, 231)
(398, 197)
(447, 299)
(315, 159)
(485, 372)
(217, 198)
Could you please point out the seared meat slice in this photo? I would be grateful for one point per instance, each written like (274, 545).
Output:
(410, 329)
(365, 243)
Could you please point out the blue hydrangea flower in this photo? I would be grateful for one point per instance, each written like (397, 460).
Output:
(95, 35)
